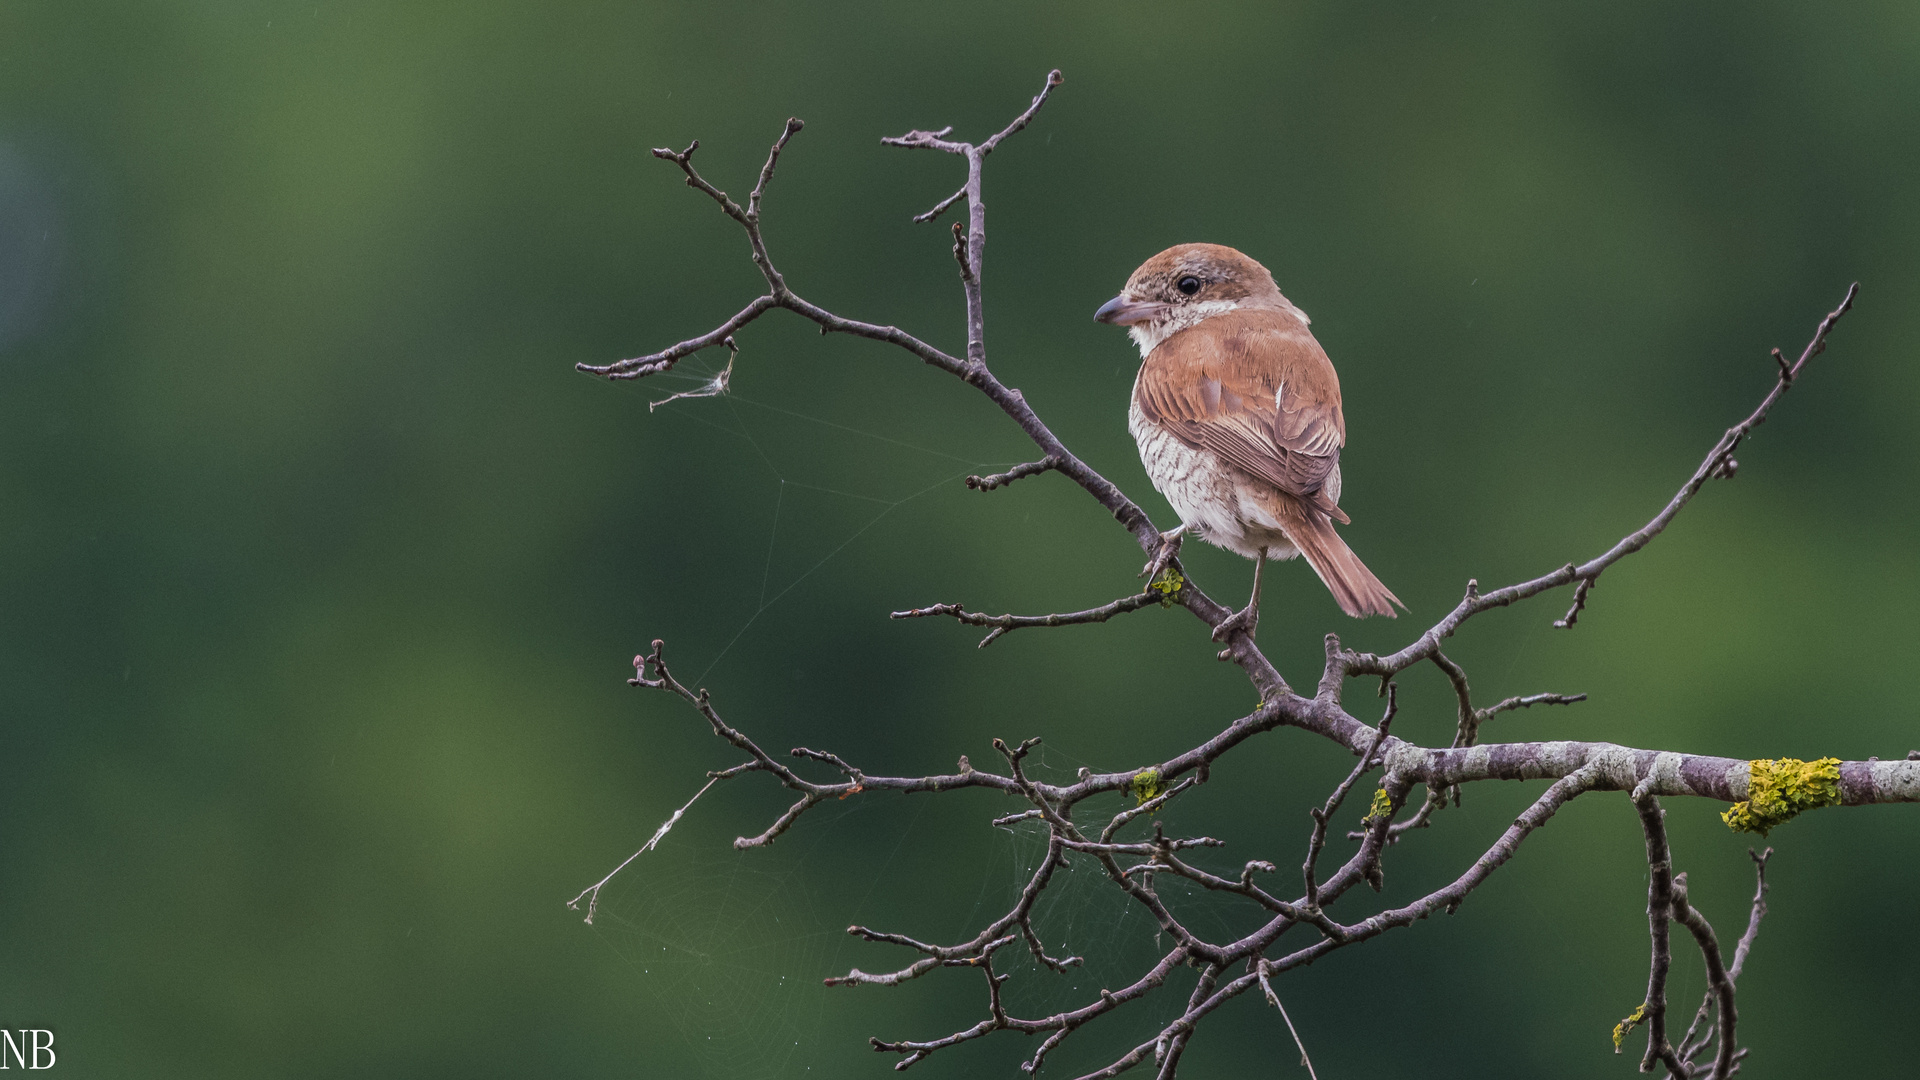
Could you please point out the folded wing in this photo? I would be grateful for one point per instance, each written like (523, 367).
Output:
(1258, 391)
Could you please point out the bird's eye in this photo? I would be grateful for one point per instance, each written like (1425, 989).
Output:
(1188, 285)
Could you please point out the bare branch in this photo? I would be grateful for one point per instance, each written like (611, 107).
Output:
(1447, 898)
(960, 253)
(782, 823)
(1481, 715)
(766, 171)
(662, 679)
(1435, 801)
(927, 140)
(834, 760)
(1274, 1000)
(1745, 944)
(1565, 622)
(1018, 472)
(1689, 1047)
(684, 159)
(982, 942)
(997, 1019)
(1150, 851)
(1321, 815)
(1150, 806)
(942, 207)
(713, 387)
(654, 363)
(1170, 1050)
(1722, 986)
(1053, 79)
(972, 369)
(1660, 913)
(1040, 953)
(1573, 767)
(1005, 624)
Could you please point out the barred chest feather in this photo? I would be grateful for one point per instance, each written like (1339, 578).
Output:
(1212, 499)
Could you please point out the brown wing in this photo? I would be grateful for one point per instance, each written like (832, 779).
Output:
(1254, 387)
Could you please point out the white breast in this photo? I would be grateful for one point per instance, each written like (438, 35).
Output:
(1212, 499)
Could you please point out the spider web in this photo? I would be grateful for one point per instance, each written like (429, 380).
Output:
(1083, 914)
(725, 956)
(731, 413)
(728, 948)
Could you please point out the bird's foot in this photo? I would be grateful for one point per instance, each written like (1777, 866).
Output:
(1168, 550)
(1247, 618)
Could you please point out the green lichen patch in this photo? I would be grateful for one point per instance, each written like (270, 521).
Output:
(1633, 1021)
(1146, 785)
(1780, 789)
(1168, 584)
(1380, 809)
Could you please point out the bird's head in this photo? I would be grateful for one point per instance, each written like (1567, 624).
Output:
(1187, 284)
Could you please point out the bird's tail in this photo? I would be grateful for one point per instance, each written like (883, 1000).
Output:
(1353, 586)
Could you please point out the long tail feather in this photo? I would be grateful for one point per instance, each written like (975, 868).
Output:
(1353, 586)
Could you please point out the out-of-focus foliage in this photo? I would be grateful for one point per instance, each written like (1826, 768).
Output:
(320, 567)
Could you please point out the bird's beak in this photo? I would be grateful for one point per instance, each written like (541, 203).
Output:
(1121, 311)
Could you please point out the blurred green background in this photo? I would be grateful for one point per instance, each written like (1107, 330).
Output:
(320, 567)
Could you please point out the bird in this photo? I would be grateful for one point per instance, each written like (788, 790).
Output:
(1237, 414)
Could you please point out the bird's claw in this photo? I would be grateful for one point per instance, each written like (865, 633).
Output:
(1163, 556)
(1247, 618)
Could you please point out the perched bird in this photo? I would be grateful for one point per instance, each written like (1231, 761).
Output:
(1237, 413)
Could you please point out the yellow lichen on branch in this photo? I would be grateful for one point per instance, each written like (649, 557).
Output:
(1146, 785)
(1381, 808)
(1780, 789)
(1168, 585)
(1620, 1029)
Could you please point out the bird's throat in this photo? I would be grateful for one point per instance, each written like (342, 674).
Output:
(1148, 335)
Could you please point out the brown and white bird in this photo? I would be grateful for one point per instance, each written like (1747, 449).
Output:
(1237, 413)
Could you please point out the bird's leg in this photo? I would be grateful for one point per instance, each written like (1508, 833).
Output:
(1247, 618)
(1164, 554)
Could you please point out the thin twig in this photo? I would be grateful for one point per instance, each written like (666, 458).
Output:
(1659, 919)
(960, 252)
(1150, 806)
(1759, 911)
(713, 387)
(1722, 986)
(1689, 1048)
(1005, 624)
(1480, 716)
(1321, 815)
(1565, 622)
(1018, 472)
(940, 208)
(1274, 1000)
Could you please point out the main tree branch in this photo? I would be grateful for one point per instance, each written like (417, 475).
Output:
(1130, 861)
